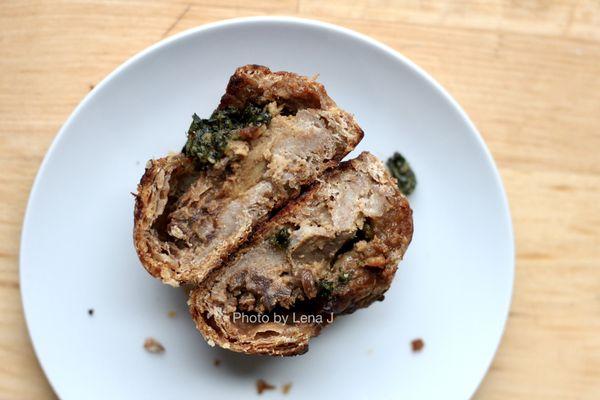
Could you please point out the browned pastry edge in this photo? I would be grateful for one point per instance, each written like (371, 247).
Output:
(257, 83)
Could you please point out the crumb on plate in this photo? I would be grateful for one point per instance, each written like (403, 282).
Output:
(417, 345)
(216, 362)
(153, 346)
(285, 389)
(172, 314)
(90, 312)
(262, 385)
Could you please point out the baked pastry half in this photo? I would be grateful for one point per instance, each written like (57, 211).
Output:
(333, 250)
(272, 134)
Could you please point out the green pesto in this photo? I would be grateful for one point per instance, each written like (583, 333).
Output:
(326, 288)
(281, 238)
(344, 277)
(400, 169)
(208, 138)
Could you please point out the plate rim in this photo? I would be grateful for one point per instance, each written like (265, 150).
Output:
(297, 21)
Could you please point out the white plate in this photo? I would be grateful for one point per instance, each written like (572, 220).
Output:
(453, 289)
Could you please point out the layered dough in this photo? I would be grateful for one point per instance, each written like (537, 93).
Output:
(333, 250)
(189, 219)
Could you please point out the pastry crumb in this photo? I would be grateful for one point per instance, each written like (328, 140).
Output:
(91, 312)
(216, 362)
(153, 346)
(417, 345)
(172, 314)
(262, 385)
(285, 389)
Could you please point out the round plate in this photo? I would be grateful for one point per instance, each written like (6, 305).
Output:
(453, 288)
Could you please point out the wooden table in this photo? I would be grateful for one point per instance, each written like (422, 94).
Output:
(527, 72)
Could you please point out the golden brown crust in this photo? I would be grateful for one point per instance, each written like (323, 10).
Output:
(327, 243)
(188, 220)
(257, 84)
(150, 202)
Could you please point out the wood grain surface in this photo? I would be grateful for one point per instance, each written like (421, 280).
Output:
(527, 72)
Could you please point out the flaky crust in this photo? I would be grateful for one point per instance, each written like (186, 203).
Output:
(258, 84)
(187, 220)
(352, 224)
(158, 182)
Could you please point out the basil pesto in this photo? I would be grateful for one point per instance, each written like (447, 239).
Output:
(207, 138)
(326, 288)
(281, 238)
(400, 169)
(344, 277)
